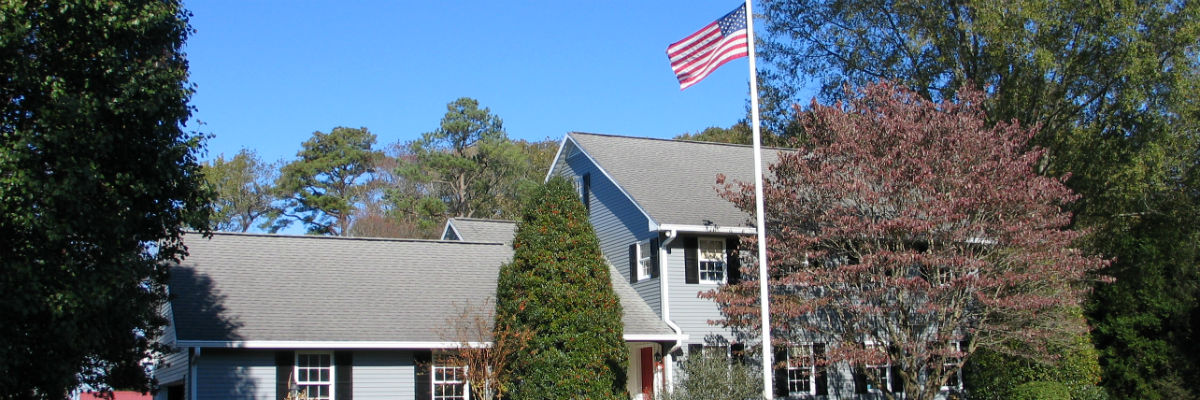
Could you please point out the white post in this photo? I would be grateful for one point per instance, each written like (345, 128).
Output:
(760, 225)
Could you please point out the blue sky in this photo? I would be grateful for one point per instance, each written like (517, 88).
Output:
(269, 73)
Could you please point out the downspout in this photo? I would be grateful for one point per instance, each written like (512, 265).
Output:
(665, 305)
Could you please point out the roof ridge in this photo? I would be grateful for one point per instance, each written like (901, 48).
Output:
(346, 238)
(507, 221)
(678, 140)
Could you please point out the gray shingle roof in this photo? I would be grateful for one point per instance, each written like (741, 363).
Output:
(251, 287)
(675, 180)
(637, 315)
(484, 230)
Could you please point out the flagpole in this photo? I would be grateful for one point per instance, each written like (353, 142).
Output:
(761, 227)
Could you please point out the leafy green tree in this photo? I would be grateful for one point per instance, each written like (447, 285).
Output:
(558, 286)
(245, 190)
(1112, 84)
(739, 133)
(330, 180)
(992, 375)
(466, 168)
(98, 180)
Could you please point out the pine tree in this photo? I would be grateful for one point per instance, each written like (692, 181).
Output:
(558, 285)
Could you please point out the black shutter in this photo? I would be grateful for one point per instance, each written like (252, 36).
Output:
(284, 361)
(343, 381)
(738, 352)
(423, 365)
(897, 381)
(691, 261)
(633, 262)
(733, 261)
(860, 380)
(781, 372)
(822, 378)
(654, 258)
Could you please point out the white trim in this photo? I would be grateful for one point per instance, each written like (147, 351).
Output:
(652, 223)
(739, 230)
(654, 337)
(302, 344)
(561, 146)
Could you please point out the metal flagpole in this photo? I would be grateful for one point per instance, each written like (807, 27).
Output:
(760, 225)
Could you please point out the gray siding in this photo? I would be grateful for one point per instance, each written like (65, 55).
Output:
(688, 310)
(383, 375)
(617, 221)
(172, 368)
(233, 374)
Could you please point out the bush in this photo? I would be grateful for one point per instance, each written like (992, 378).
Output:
(710, 376)
(558, 286)
(1041, 390)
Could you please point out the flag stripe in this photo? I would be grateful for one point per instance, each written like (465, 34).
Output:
(729, 44)
(701, 53)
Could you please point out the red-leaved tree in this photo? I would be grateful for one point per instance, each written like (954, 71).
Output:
(905, 234)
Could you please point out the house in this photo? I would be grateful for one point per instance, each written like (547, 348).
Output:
(255, 316)
(656, 208)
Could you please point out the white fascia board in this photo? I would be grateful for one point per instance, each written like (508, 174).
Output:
(562, 146)
(324, 344)
(668, 337)
(737, 230)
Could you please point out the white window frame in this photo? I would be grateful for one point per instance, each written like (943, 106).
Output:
(806, 364)
(437, 380)
(302, 384)
(645, 260)
(709, 267)
(955, 346)
(886, 376)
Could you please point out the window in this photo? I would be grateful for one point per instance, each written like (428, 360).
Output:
(952, 360)
(712, 260)
(449, 382)
(645, 254)
(583, 188)
(314, 375)
(801, 370)
(878, 372)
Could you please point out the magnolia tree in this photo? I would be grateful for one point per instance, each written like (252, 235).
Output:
(905, 234)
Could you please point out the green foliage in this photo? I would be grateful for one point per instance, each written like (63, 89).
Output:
(1113, 85)
(245, 190)
(739, 133)
(993, 375)
(98, 180)
(711, 376)
(1039, 390)
(466, 168)
(558, 285)
(330, 180)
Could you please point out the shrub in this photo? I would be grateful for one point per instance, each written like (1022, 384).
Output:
(558, 286)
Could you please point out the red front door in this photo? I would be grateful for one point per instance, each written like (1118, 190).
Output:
(648, 373)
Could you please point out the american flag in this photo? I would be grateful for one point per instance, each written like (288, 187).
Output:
(699, 54)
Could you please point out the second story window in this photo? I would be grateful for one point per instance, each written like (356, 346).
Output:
(314, 375)
(449, 381)
(712, 260)
(645, 258)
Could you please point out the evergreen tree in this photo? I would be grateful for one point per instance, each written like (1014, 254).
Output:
(558, 285)
(330, 180)
(98, 180)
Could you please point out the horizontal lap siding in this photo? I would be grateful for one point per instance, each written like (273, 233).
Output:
(618, 223)
(688, 310)
(383, 375)
(237, 375)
